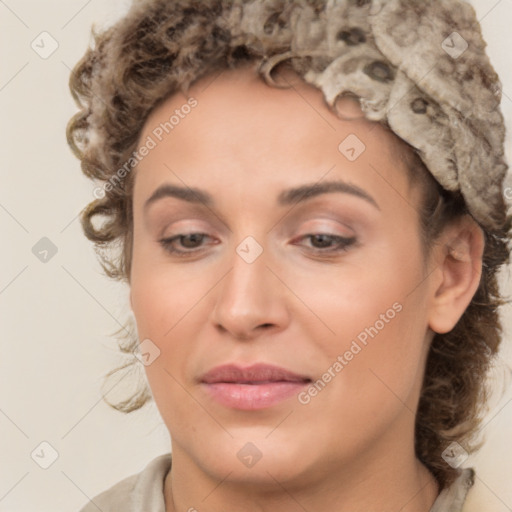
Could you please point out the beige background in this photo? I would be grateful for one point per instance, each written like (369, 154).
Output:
(56, 316)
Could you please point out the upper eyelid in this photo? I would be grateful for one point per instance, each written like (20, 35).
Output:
(327, 213)
(327, 222)
(309, 230)
(299, 208)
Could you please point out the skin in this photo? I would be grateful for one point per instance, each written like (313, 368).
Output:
(351, 448)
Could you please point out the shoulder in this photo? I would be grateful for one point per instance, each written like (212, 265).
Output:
(116, 496)
(467, 494)
(483, 497)
(453, 498)
(135, 493)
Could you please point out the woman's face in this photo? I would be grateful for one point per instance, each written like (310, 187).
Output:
(306, 256)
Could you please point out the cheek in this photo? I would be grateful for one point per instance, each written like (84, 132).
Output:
(168, 318)
(371, 370)
(161, 294)
(377, 339)
(378, 294)
(168, 302)
(376, 311)
(164, 316)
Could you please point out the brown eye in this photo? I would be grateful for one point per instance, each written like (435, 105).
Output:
(324, 243)
(193, 239)
(189, 241)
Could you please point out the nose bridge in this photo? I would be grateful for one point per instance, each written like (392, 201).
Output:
(249, 294)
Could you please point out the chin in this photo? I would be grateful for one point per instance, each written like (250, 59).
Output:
(253, 456)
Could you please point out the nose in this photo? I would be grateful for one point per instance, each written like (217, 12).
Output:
(250, 299)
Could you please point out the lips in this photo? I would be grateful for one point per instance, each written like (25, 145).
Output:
(255, 374)
(255, 387)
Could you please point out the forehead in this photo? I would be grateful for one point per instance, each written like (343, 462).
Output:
(241, 125)
(241, 95)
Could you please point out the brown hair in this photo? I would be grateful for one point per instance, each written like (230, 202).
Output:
(163, 47)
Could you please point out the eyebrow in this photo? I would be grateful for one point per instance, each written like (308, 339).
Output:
(286, 197)
(308, 191)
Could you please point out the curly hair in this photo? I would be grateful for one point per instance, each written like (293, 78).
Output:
(162, 47)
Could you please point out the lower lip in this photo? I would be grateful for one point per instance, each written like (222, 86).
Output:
(250, 397)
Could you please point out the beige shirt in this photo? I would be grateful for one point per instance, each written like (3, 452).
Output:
(144, 491)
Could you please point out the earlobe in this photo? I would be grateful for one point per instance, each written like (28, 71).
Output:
(459, 262)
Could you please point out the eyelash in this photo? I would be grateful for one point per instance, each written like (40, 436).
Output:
(343, 244)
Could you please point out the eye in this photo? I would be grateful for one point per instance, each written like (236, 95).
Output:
(323, 242)
(190, 241)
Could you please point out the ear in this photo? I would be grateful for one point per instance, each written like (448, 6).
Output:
(458, 261)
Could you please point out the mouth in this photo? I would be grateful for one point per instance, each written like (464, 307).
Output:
(251, 388)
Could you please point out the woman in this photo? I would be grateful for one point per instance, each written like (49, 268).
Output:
(307, 200)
